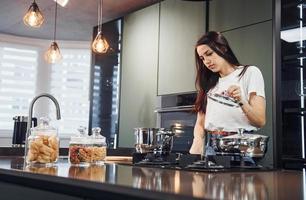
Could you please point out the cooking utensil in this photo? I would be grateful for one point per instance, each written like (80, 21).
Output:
(149, 140)
(252, 145)
(145, 139)
(164, 141)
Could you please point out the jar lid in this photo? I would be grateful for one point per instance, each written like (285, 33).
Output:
(96, 137)
(80, 137)
(44, 127)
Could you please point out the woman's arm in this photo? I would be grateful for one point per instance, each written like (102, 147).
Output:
(255, 110)
(198, 135)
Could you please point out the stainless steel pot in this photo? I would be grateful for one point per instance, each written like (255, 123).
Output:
(145, 139)
(148, 140)
(164, 141)
(252, 145)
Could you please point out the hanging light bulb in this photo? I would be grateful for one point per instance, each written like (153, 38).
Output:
(100, 44)
(33, 17)
(53, 54)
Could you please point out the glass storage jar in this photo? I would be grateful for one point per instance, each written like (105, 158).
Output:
(43, 144)
(79, 148)
(98, 146)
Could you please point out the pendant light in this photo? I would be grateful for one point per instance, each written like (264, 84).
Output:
(33, 17)
(53, 54)
(100, 44)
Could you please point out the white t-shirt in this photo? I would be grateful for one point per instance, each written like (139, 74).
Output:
(222, 111)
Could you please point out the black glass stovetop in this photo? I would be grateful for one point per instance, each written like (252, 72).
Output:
(196, 163)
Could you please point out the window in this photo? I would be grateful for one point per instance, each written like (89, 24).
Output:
(70, 86)
(24, 74)
(18, 69)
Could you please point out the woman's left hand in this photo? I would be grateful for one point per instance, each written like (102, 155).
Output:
(254, 108)
(234, 91)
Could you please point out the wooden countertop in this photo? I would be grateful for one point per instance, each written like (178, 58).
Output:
(120, 180)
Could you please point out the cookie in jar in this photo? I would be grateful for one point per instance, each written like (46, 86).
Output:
(43, 144)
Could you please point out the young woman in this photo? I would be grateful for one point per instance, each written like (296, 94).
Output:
(230, 96)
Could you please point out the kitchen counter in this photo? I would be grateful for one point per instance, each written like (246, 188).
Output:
(115, 180)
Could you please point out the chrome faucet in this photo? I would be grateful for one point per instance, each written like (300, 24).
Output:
(29, 124)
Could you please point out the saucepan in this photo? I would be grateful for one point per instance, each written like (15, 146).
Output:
(252, 145)
(164, 141)
(145, 139)
(153, 139)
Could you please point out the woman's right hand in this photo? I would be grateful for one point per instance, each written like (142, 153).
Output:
(198, 135)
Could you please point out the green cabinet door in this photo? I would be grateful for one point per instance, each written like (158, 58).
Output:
(139, 73)
(230, 14)
(181, 24)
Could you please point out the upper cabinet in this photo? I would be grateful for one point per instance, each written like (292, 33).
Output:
(181, 24)
(139, 73)
(226, 15)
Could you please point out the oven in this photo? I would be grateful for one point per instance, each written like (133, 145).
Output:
(175, 112)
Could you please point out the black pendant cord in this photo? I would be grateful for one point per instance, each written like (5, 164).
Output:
(207, 17)
(99, 10)
(55, 16)
(101, 14)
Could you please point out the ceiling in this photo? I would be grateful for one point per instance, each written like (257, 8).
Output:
(74, 22)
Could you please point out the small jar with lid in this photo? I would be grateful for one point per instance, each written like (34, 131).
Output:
(98, 146)
(79, 148)
(43, 144)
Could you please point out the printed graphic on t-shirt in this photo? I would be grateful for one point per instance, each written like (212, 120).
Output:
(223, 99)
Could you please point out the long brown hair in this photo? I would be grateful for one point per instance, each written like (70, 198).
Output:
(205, 78)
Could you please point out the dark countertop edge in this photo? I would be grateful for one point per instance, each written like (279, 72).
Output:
(82, 188)
(19, 151)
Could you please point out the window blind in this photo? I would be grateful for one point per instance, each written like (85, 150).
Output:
(70, 86)
(18, 69)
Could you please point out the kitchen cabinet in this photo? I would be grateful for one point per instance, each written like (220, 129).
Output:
(226, 15)
(181, 24)
(253, 46)
(139, 73)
